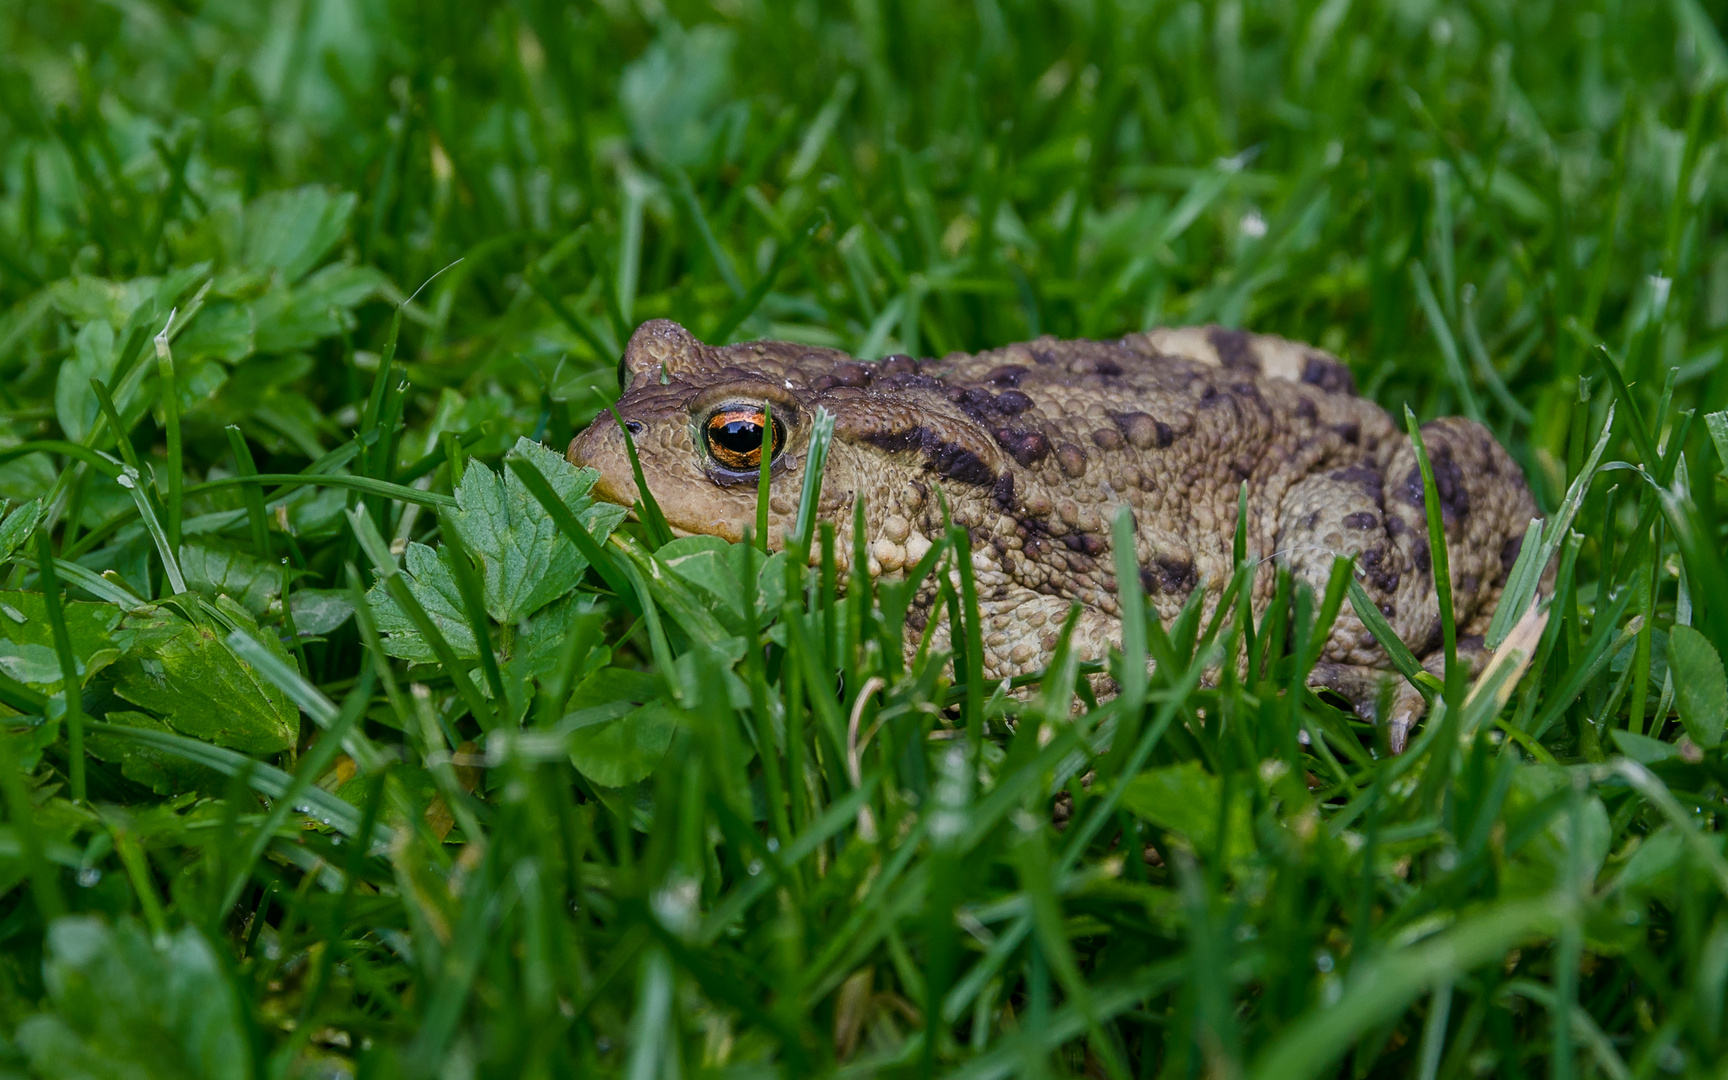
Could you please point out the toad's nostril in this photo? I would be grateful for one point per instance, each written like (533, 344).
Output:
(633, 426)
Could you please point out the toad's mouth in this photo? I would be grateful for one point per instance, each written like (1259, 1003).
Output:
(606, 489)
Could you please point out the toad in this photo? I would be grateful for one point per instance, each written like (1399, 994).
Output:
(1036, 446)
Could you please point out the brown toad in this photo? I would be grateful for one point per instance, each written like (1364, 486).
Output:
(1035, 445)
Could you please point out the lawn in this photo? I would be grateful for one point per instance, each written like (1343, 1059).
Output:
(345, 735)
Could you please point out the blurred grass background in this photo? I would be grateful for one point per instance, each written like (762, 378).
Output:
(1509, 210)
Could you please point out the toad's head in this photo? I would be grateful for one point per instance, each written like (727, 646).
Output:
(702, 419)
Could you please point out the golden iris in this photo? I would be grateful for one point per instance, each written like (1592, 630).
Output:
(735, 438)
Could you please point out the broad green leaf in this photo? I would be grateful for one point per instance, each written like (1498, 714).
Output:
(1700, 689)
(122, 1005)
(430, 580)
(92, 357)
(622, 751)
(225, 330)
(699, 615)
(251, 582)
(28, 476)
(85, 299)
(540, 643)
(1652, 863)
(319, 611)
(1651, 868)
(1628, 653)
(263, 383)
(1642, 748)
(27, 640)
(1540, 863)
(291, 231)
(162, 772)
(1717, 422)
(317, 308)
(186, 674)
(315, 513)
(197, 381)
(671, 96)
(526, 561)
(18, 526)
(617, 684)
(1183, 800)
(717, 569)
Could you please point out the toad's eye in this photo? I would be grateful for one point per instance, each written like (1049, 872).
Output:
(735, 438)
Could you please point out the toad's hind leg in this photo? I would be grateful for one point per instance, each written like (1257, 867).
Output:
(1377, 514)
(1366, 688)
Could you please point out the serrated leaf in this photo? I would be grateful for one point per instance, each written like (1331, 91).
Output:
(120, 1004)
(431, 582)
(1700, 688)
(526, 562)
(185, 673)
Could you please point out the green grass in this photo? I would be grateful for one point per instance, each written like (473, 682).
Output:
(367, 780)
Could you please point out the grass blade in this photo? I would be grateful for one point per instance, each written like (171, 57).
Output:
(265, 779)
(1384, 986)
(173, 503)
(747, 305)
(461, 565)
(1398, 652)
(251, 494)
(653, 521)
(364, 484)
(71, 686)
(810, 493)
(1454, 680)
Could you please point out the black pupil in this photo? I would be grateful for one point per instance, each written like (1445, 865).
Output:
(739, 436)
